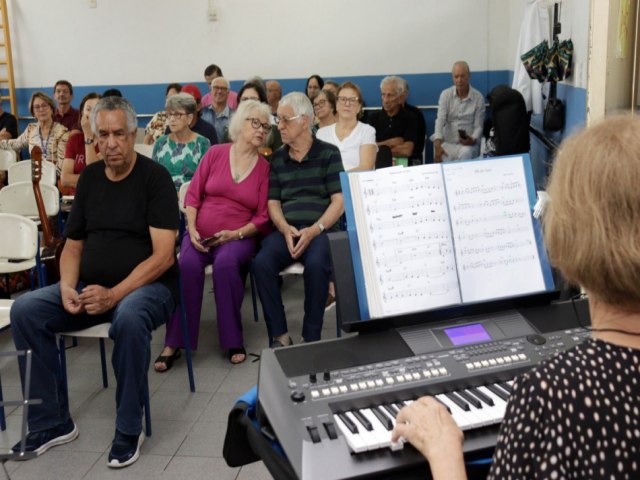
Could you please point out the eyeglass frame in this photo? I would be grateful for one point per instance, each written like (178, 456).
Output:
(285, 120)
(347, 100)
(177, 114)
(256, 124)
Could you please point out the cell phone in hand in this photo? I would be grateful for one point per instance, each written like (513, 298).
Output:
(207, 242)
(463, 134)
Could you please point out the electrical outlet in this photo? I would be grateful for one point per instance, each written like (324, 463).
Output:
(213, 14)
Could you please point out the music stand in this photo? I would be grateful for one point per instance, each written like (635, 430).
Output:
(25, 402)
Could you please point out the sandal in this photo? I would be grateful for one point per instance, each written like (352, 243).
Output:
(167, 360)
(237, 351)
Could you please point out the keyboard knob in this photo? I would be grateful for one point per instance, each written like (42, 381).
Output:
(297, 396)
(313, 378)
(326, 376)
(536, 339)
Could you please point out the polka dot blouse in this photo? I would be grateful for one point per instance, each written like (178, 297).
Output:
(575, 416)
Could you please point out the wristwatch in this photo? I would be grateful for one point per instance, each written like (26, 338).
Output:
(240, 235)
(88, 141)
(321, 227)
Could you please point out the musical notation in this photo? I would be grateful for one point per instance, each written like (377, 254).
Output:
(484, 189)
(500, 262)
(428, 290)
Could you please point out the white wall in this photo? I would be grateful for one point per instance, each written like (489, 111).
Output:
(158, 41)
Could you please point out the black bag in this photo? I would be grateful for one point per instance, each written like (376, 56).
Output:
(553, 115)
(510, 121)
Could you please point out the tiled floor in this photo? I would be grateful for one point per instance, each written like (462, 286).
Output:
(188, 428)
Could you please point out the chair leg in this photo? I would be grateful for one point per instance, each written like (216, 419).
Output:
(254, 300)
(3, 420)
(147, 407)
(103, 363)
(63, 361)
(185, 339)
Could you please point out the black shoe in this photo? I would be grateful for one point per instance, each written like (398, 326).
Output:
(40, 442)
(125, 449)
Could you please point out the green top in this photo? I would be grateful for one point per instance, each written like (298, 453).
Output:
(180, 159)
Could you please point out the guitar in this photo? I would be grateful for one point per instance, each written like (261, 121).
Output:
(53, 245)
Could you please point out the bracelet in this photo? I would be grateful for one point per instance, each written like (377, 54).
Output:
(240, 235)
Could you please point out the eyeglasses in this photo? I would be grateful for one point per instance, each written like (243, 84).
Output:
(176, 114)
(319, 103)
(256, 124)
(285, 120)
(40, 106)
(222, 89)
(346, 100)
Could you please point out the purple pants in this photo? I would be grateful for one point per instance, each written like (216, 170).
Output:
(228, 289)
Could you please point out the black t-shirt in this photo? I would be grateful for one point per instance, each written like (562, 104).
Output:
(113, 219)
(403, 124)
(9, 122)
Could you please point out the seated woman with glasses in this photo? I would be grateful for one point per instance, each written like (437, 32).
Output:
(226, 207)
(255, 91)
(355, 140)
(576, 415)
(324, 108)
(181, 150)
(49, 135)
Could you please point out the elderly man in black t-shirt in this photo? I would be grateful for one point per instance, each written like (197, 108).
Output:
(118, 265)
(396, 127)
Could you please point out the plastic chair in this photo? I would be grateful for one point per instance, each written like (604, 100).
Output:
(101, 332)
(142, 149)
(21, 172)
(18, 198)
(182, 193)
(7, 158)
(19, 246)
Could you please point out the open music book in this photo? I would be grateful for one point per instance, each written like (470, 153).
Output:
(435, 235)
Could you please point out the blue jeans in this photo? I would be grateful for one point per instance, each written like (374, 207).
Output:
(37, 316)
(273, 257)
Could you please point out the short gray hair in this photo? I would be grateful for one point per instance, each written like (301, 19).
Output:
(463, 64)
(399, 82)
(300, 104)
(247, 109)
(220, 78)
(181, 101)
(111, 104)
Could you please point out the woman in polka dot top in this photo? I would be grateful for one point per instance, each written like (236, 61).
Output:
(577, 415)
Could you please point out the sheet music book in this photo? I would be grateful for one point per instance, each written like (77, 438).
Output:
(436, 235)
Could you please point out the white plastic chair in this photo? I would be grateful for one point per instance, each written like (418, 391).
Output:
(143, 149)
(7, 158)
(101, 332)
(18, 243)
(21, 172)
(19, 198)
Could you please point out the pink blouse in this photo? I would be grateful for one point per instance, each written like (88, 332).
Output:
(223, 204)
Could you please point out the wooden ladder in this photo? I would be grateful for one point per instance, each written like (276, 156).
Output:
(6, 64)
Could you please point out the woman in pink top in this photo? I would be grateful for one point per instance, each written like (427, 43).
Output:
(226, 206)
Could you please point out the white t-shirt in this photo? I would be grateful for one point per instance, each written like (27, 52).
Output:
(349, 148)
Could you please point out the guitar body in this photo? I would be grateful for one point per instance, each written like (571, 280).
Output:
(52, 245)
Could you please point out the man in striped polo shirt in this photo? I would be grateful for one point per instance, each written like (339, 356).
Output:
(305, 201)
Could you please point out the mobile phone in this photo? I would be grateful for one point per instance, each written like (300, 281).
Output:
(206, 242)
(462, 133)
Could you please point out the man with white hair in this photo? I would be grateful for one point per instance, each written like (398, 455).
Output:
(460, 118)
(395, 126)
(218, 113)
(305, 201)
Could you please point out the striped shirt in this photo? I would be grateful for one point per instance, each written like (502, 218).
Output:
(305, 188)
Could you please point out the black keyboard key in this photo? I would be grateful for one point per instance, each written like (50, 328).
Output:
(391, 410)
(506, 386)
(470, 398)
(362, 419)
(498, 392)
(458, 401)
(482, 396)
(347, 421)
(441, 403)
(384, 420)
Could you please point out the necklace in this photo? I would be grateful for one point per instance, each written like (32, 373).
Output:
(237, 176)
(615, 330)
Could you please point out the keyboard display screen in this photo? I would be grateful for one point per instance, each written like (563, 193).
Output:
(467, 334)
